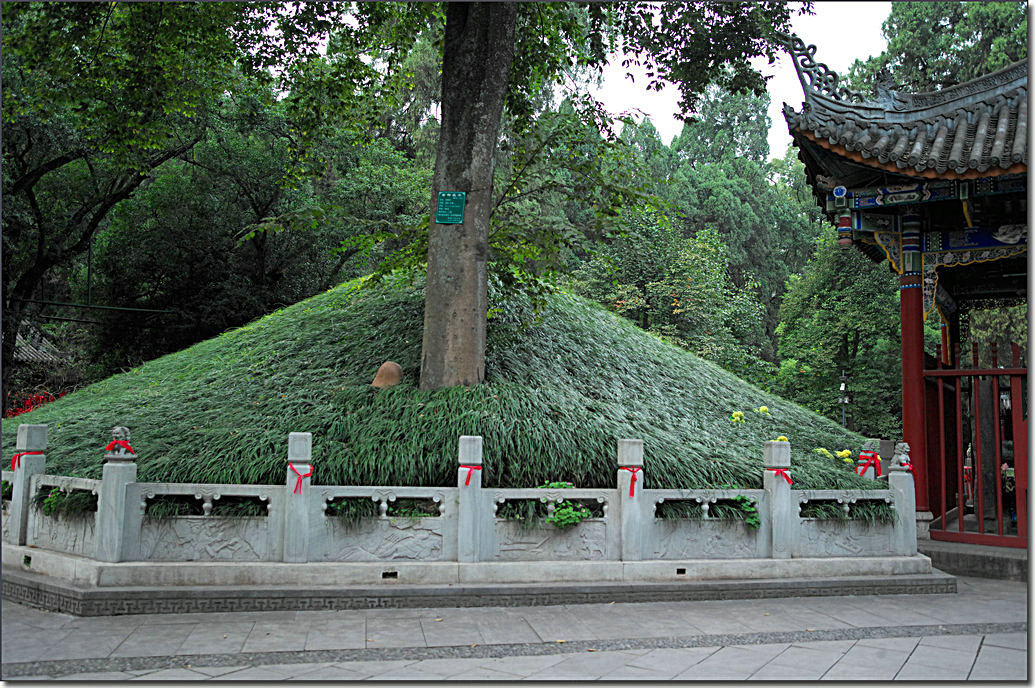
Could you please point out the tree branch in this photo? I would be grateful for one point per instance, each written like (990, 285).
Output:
(27, 181)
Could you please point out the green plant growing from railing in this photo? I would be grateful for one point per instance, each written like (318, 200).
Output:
(868, 511)
(7, 490)
(166, 506)
(413, 509)
(530, 512)
(54, 501)
(568, 514)
(678, 509)
(736, 508)
(351, 511)
(239, 507)
(232, 506)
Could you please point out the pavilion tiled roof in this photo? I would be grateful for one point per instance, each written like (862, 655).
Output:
(974, 129)
(32, 346)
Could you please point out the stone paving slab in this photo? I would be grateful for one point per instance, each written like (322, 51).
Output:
(521, 665)
(904, 636)
(672, 661)
(1016, 641)
(145, 641)
(327, 673)
(960, 643)
(800, 663)
(583, 666)
(173, 675)
(268, 636)
(216, 638)
(336, 634)
(732, 663)
(851, 671)
(216, 671)
(999, 664)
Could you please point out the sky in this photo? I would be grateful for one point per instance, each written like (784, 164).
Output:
(841, 31)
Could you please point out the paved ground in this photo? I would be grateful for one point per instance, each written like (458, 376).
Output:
(980, 633)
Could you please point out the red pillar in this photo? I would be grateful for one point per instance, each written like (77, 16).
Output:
(911, 296)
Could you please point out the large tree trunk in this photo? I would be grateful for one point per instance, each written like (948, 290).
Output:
(479, 48)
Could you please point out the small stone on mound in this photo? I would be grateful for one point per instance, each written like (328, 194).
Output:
(389, 374)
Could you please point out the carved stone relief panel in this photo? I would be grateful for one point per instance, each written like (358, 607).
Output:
(71, 535)
(836, 538)
(700, 539)
(586, 541)
(205, 538)
(382, 539)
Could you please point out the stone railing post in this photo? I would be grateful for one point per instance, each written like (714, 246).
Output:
(29, 459)
(632, 507)
(869, 450)
(115, 540)
(470, 519)
(900, 481)
(296, 497)
(783, 522)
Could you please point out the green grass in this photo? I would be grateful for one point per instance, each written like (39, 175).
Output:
(557, 397)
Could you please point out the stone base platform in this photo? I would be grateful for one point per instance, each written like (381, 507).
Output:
(983, 561)
(84, 587)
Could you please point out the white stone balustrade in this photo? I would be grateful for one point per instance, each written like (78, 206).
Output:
(297, 526)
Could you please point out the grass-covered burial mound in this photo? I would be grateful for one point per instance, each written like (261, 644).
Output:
(557, 396)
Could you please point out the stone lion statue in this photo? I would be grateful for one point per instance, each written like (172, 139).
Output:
(117, 451)
(901, 456)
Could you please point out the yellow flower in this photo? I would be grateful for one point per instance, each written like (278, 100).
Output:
(781, 438)
(844, 454)
(823, 452)
(737, 417)
(763, 409)
(846, 460)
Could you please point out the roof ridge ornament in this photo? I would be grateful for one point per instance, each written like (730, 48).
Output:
(816, 76)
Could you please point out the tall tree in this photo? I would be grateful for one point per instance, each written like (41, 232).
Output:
(100, 95)
(934, 45)
(479, 50)
(689, 44)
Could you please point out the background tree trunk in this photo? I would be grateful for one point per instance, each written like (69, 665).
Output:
(479, 48)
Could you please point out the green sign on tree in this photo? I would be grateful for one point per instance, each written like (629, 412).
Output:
(450, 208)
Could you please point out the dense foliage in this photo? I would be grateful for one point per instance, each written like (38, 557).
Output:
(934, 45)
(841, 315)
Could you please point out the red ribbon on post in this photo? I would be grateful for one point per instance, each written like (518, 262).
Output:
(16, 460)
(470, 470)
(871, 460)
(634, 470)
(119, 443)
(298, 483)
(783, 472)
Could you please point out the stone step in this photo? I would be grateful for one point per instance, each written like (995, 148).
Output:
(53, 594)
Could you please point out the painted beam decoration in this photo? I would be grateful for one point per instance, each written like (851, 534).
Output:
(976, 237)
(903, 194)
(924, 192)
